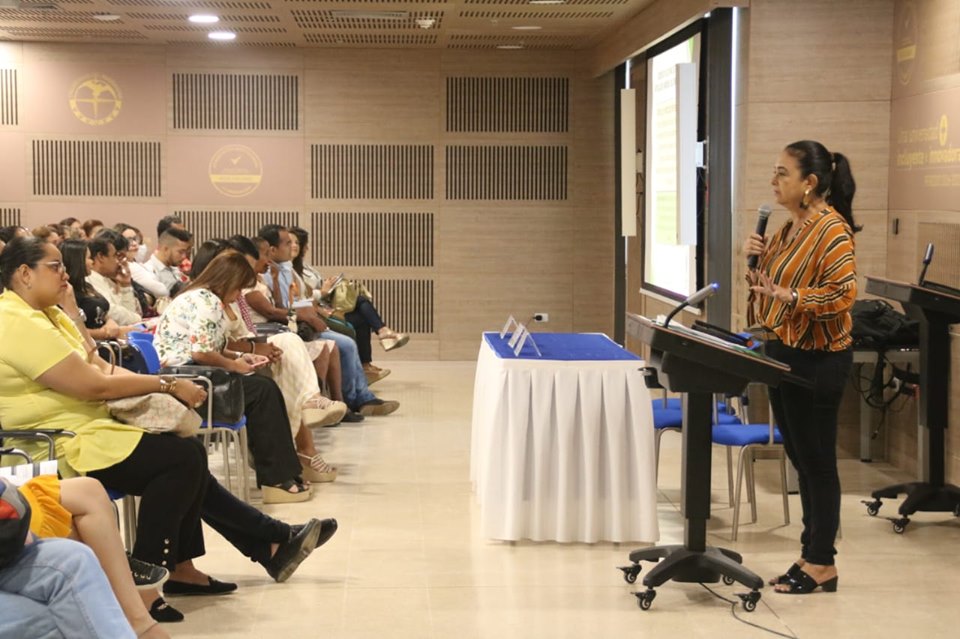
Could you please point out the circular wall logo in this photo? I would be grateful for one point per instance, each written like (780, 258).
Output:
(95, 99)
(235, 170)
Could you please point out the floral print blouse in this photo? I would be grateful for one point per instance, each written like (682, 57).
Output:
(194, 322)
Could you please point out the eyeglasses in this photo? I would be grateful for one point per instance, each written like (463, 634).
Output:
(55, 265)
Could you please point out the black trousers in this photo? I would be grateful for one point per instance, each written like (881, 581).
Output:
(366, 321)
(268, 431)
(807, 418)
(176, 490)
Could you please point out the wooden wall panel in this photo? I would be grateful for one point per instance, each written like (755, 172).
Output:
(446, 269)
(847, 107)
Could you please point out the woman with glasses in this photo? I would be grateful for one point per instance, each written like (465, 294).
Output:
(50, 377)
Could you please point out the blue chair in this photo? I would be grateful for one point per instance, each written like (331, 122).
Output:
(149, 353)
(235, 433)
(668, 416)
(755, 441)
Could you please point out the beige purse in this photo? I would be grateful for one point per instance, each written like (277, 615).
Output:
(156, 413)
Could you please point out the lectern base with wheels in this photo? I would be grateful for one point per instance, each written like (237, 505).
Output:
(939, 309)
(686, 361)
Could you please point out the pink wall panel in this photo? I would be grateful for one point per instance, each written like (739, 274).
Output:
(95, 98)
(235, 171)
(13, 166)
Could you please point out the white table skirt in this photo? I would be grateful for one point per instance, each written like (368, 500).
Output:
(563, 450)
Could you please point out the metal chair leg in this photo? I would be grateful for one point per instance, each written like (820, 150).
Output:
(747, 453)
(736, 497)
(730, 475)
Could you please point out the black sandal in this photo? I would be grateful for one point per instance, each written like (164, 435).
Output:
(803, 584)
(785, 577)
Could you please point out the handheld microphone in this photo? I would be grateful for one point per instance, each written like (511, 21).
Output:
(764, 213)
(694, 299)
(927, 258)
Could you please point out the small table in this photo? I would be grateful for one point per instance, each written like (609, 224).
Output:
(562, 445)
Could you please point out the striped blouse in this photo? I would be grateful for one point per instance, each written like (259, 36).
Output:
(819, 263)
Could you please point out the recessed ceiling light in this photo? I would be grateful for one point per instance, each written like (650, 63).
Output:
(106, 17)
(547, 1)
(510, 47)
(222, 35)
(527, 28)
(203, 18)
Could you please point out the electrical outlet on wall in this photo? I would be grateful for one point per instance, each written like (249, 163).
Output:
(541, 317)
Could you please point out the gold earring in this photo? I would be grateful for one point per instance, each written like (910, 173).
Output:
(803, 201)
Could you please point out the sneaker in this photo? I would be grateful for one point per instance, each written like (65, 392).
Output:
(378, 407)
(145, 575)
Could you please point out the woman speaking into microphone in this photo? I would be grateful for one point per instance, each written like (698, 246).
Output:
(802, 291)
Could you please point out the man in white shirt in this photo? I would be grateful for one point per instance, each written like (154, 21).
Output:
(111, 279)
(164, 265)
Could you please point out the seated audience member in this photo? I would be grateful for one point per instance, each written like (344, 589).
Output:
(193, 330)
(56, 588)
(110, 279)
(95, 307)
(356, 392)
(164, 265)
(7, 233)
(137, 250)
(73, 228)
(91, 228)
(174, 222)
(364, 317)
(80, 508)
(48, 234)
(259, 303)
(291, 367)
(52, 379)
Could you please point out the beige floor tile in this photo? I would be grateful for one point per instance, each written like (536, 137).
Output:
(408, 561)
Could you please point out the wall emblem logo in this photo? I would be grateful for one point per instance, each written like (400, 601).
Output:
(95, 99)
(235, 170)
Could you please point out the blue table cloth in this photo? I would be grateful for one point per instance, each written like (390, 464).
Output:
(564, 347)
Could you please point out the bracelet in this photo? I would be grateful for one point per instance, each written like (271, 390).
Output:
(794, 297)
(253, 348)
(168, 384)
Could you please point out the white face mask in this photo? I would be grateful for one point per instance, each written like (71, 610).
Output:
(142, 255)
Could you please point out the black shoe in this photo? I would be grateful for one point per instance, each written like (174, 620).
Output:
(785, 577)
(213, 588)
(327, 528)
(352, 417)
(163, 612)
(291, 553)
(146, 575)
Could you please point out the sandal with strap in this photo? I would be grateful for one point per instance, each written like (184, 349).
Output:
(803, 584)
(316, 469)
(283, 494)
(785, 577)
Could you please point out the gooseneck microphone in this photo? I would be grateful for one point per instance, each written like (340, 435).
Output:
(764, 213)
(694, 299)
(927, 258)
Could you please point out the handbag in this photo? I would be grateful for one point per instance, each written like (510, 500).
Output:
(344, 295)
(340, 326)
(155, 413)
(226, 394)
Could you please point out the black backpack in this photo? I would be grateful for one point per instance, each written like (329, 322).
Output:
(877, 326)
